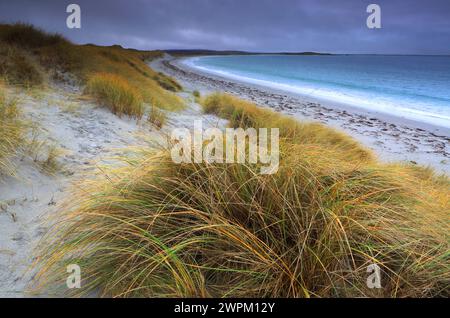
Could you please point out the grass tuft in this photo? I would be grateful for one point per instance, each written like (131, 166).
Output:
(19, 68)
(241, 113)
(60, 58)
(168, 83)
(12, 131)
(115, 93)
(152, 228)
(51, 164)
(27, 36)
(157, 117)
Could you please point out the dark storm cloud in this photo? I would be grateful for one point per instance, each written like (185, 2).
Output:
(408, 26)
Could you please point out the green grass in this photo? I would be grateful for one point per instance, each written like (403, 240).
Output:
(152, 228)
(116, 94)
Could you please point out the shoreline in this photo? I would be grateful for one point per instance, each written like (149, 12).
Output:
(391, 138)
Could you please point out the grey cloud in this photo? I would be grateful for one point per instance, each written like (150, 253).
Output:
(409, 27)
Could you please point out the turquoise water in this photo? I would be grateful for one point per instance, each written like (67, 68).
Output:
(414, 87)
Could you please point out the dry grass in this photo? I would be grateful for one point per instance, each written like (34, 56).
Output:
(157, 117)
(37, 147)
(19, 68)
(244, 114)
(130, 65)
(167, 83)
(71, 108)
(51, 164)
(20, 139)
(28, 36)
(197, 96)
(115, 93)
(56, 55)
(12, 131)
(156, 229)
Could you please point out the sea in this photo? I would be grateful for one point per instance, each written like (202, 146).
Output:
(412, 87)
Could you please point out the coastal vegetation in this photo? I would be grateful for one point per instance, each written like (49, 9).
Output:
(222, 53)
(153, 228)
(115, 93)
(22, 138)
(12, 132)
(148, 227)
(17, 67)
(157, 117)
(241, 113)
(196, 95)
(31, 53)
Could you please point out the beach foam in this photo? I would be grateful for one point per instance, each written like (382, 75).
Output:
(396, 93)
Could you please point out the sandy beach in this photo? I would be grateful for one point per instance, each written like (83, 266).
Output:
(223, 155)
(392, 138)
(88, 135)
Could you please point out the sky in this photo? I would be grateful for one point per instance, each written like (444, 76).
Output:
(333, 26)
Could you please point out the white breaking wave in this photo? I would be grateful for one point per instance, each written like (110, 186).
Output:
(368, 102)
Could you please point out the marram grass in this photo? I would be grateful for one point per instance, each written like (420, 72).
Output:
(241, 113)
(153, 228)
(157, 117)
(18, 67)
(115, 93)
(12, 132)
(55, 54)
